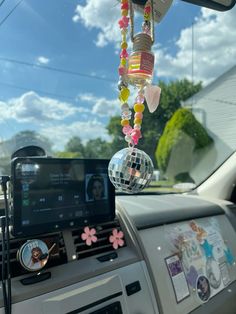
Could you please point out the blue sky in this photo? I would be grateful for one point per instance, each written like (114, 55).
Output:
(82, 36)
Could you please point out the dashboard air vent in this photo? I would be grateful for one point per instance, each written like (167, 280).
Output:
(57, 256)
(101, 246)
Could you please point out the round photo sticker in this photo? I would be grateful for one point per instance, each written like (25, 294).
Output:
(203, 288)
(33, 255)
(213, 273)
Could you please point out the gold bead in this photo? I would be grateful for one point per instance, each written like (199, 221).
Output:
(124, 122)
(137, 121)
(124, 94)
(123, 61)
(124, 45)
(139, 107)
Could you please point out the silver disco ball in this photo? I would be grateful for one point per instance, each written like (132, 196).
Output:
(130, 170)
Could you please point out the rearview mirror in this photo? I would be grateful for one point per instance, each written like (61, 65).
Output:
(219, 5)
(162, 6)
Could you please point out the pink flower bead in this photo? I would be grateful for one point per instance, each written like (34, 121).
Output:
(127, 129)
(136, 134)
(135, 139)
(147, 9)
(122, 71)
(124, 54)
(140, 99)
(121, 23)
(125, 20)
(125, 6)
(138, 115)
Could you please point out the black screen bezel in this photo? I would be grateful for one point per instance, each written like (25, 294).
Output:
(16, 208)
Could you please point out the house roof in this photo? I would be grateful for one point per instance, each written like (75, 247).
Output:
(222, 90)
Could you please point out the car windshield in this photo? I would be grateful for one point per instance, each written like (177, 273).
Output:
(58, 86)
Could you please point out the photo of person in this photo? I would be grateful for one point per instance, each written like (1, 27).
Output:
(203, 288)
(34, 255)
(36, 260)
(96, 187)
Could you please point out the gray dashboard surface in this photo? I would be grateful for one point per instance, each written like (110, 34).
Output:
(223, 303)
(155, 210)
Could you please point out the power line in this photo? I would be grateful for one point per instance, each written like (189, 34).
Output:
(37, 91)
(2, 2)
(44, 67)
(12, 10)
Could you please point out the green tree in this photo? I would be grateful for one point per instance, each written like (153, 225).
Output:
(94, 148)
(115, 130)
(75, 145)
(98, 148)
(172, 94)
(182, 138)
(68, 155)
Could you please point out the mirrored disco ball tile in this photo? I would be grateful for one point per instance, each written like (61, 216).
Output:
(133, 170)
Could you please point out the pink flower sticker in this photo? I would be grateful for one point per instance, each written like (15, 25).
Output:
(116, 238)
(89, 236)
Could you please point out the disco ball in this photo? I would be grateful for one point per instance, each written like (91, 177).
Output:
(130, 170)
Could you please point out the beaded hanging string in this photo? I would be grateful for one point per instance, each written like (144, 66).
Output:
(130, 169)
(147, 28)
(132, 135)
(126, 114)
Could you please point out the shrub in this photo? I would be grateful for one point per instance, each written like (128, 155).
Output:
(183, 136)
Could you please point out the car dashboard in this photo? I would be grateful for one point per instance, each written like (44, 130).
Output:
(173, 245)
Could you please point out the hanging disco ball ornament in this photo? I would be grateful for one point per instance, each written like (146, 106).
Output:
(130, 170)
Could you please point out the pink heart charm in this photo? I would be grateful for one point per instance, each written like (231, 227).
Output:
(152, 95)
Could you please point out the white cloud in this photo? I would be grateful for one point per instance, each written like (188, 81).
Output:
(101, 105)
(5, 112)
(43, 60)
(84, 129)
(214, 40)
(102, 15)
(214, 48)
(30, 107)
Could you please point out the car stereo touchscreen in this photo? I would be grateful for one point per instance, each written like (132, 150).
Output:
(50, 194)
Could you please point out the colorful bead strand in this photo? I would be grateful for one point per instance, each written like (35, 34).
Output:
(146, 27)
(126, 114)
(138, 117)
(132, 134)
